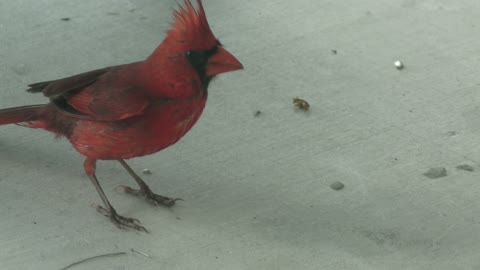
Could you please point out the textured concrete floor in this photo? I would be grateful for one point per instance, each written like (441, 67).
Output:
(257, 189)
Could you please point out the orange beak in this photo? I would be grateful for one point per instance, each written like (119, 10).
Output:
(222, 61)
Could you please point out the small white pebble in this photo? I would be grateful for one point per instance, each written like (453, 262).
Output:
(398, 64)
(146, 171)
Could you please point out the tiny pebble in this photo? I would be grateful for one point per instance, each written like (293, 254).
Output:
(465, 167)
(337, 185)
(434, 173)
(334, 51)
(146, 171)
(66, 19)
(257, 113)
(398, 64)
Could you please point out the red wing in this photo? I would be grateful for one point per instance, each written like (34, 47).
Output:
(100, 95)
(106, 104)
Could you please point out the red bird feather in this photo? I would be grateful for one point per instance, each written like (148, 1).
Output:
(132, 110)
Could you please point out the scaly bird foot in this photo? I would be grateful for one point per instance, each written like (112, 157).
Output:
(151, 197)
(121, 221)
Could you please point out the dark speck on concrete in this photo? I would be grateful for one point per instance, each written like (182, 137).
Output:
(451, 133)
(337, 185)
(465, 167)
(434, 173)
(66, 19)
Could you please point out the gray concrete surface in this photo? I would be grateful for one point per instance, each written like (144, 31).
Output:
(257, 189)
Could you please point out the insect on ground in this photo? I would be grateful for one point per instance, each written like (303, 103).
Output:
(301, 104)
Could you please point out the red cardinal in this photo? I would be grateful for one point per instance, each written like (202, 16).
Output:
(132, 110)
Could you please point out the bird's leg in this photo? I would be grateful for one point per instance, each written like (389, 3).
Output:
(145, 190)
(108, 210)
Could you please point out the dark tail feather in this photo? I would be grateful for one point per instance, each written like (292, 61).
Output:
(20, 114)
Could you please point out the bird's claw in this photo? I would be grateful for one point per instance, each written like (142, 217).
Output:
(121, 221)
(151, 197)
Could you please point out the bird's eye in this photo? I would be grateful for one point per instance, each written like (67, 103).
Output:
(198, 59)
